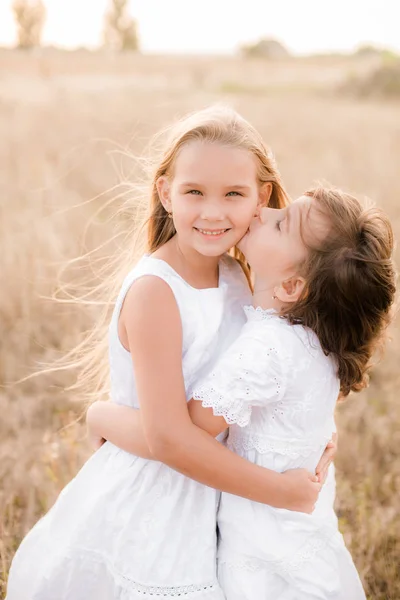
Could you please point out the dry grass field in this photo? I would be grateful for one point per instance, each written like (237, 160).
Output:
(60, 116)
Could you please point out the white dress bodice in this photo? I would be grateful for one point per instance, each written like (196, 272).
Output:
(211, 318)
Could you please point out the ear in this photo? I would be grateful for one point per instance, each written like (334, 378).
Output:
(265, 193)
(290, 290)
(164, 192)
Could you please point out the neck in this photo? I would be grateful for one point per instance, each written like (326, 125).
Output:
(197, 269)
(264, 296)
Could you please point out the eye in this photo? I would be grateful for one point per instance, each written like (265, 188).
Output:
(194, 192)
(278, 225)
(234, 194)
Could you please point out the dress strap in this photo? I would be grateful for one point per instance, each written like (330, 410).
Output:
(146, 266)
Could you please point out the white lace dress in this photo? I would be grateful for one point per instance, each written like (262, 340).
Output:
(126, 528)
(277, 390)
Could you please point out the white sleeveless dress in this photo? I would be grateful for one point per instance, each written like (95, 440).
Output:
(278, 390)
(126, 528)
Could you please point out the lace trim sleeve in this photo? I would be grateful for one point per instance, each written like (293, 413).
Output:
(250, 373)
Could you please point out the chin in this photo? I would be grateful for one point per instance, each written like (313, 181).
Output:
(212, 252)
(214, 248)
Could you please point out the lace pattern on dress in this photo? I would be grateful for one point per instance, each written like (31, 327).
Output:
(235, 387)
(260, 314)
(183, 591)
(285, 566)
(140, 590)
(235, 412)
(244, 441)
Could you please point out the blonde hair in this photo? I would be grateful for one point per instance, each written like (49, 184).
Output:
(217, 124)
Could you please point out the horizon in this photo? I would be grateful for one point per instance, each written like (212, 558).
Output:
(341, 27)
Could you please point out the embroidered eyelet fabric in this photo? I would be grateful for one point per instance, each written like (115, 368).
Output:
(277, 390)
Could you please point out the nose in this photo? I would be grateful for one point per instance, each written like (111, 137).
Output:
(212, 211)
(267, 213)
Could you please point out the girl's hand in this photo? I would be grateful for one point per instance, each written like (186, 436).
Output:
(302, 490)
(326, 459)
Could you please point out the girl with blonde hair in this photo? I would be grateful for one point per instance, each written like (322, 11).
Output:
(132, 528)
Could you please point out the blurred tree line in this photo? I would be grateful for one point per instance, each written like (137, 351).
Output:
(30, 17)
(119, 33)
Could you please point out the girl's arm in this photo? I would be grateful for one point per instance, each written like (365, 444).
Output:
(120, 425)
(151, 320)
(123, 426)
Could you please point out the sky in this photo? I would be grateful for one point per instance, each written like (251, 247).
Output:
(220, 26)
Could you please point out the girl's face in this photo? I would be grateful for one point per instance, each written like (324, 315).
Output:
(277, 241)
(213, 195)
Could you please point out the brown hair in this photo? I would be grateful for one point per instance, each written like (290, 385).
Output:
(351, 284)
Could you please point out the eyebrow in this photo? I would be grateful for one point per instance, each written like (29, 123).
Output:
(238, 187)
(227, 187)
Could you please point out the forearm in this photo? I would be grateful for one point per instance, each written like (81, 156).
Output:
(199, 456)
(120, 425)
(191, 451)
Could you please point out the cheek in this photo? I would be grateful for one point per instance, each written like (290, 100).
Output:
(183, 210)
(242, 215)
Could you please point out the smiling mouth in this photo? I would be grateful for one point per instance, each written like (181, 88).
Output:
(211, 232)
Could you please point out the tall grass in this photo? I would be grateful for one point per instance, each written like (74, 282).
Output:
(55, 138)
